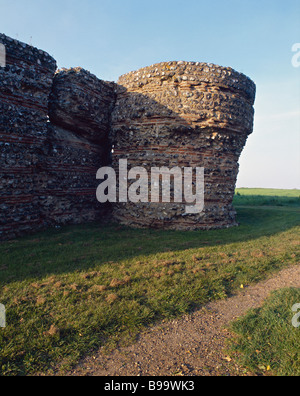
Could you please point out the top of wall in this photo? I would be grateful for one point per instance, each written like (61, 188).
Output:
(24, 55)
(195, 72)
(82, 103)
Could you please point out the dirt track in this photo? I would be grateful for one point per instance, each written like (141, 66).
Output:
(193, 345)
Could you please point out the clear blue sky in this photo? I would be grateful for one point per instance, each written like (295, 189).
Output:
(112, 37)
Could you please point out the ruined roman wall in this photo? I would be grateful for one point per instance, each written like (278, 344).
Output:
(183, 114)
(57, 129)
(53, 138)
(80, 107)
(25, 85)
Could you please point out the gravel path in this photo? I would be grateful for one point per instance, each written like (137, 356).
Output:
(191, 346)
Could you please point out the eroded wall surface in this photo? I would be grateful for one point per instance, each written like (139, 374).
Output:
(54, 129)
(183, 114)
(25, 85)
(80, 107)
(57, 128)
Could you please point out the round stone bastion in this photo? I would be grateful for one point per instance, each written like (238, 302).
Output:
(182, 115)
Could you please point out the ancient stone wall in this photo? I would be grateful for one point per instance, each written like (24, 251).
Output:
(48, 169)
(80, 107)
(183, 114)
(25, 85)
(57, 128)
(81, 103)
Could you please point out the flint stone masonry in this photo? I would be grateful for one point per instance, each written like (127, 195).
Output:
(57, 128)
(82, 103)
(80, 107)
(48, 169)
(183, 114)
(25, 85)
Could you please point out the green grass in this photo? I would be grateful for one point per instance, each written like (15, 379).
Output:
(269, 192)
(266, 197)
(101, 285)
(266, 340)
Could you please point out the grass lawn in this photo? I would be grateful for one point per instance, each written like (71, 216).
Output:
(267, 197)
(266, 339)
(69, 291)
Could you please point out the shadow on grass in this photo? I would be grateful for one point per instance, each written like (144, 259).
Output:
(82, 248)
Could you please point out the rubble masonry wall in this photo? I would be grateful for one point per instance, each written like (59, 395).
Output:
(57, 129)
(183, 114)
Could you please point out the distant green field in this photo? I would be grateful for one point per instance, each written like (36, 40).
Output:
(266, 197)
(271, 192)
